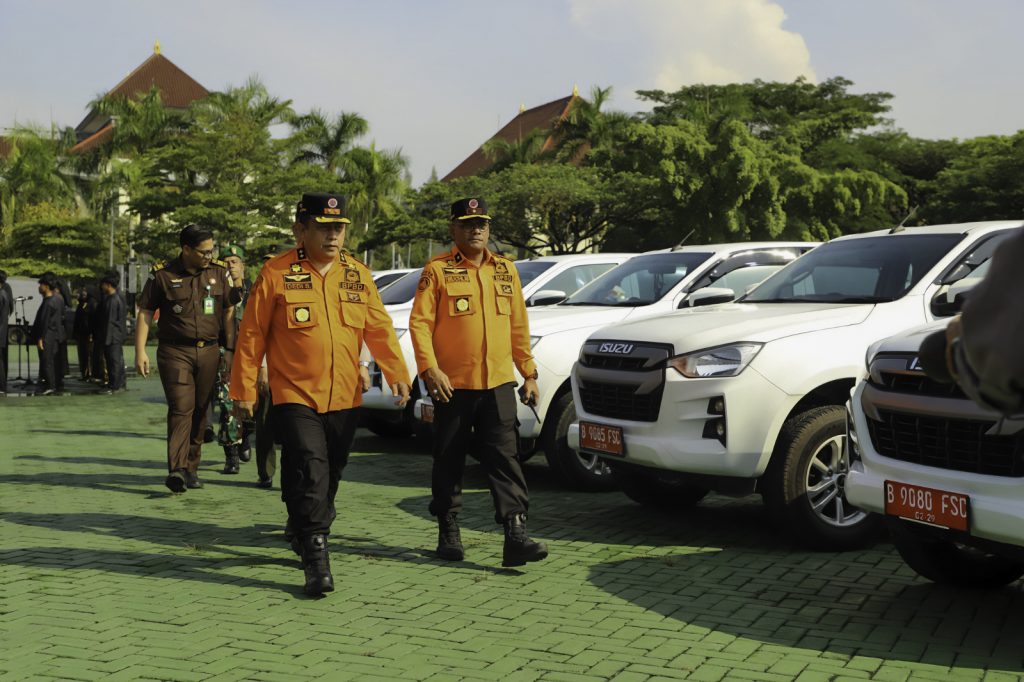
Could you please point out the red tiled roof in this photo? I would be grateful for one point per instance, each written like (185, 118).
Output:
(543, 117)
(95, 140)
(177, 88)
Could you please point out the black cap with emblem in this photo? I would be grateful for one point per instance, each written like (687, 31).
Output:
(467, 209)
(323, 207)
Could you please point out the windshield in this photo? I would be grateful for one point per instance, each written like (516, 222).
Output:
(639, 281)
(401, 290)
(529, 270)
(869, 270)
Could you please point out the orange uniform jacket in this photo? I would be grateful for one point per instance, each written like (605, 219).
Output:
(311, 327)
(471, 322)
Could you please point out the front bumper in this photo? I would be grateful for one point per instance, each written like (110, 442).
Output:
(996, 502)
(754, 408)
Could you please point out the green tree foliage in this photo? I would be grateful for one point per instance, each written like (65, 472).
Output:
(982, 183)
(34, 172)
(227, 172)
(54, 238)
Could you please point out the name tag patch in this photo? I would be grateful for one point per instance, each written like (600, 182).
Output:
(503, 278)
(353, 286)
(291, 286)
(451, 279)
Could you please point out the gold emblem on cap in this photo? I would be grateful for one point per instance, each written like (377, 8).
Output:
(462, 304)
(302, 314)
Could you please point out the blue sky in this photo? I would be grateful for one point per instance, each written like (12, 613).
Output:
(437, 78)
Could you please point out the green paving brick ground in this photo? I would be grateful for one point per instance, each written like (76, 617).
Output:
(104, 575)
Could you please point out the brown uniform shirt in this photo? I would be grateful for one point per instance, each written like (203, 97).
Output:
(311, 327)
(471, 322)
(180, 295)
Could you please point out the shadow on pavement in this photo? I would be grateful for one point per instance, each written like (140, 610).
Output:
(100, 432)
(837, 603)
(113, 482)
(160, 463)
(174, 567)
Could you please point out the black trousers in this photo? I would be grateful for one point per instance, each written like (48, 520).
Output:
(51, 371)
(266, 455)
(113, 354)
(314, 452)
(84, 356)
(3, 367)
(484, 420)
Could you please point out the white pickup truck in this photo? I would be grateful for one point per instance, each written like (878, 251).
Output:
(749, 396)
(947, 474)
(547, 279)
(653, 283)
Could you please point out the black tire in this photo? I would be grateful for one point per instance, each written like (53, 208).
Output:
(577, 470)
(805, 497)
(947, 562)
(660, 490)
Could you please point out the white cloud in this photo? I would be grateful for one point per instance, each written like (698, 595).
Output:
(698, 41)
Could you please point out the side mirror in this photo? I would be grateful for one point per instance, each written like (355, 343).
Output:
(546, 297)
(708, 296)
(943, 306)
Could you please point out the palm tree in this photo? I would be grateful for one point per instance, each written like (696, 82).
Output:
(586, 126)
(529, 148)
(251, 102)
(377, 180)
(327, 142)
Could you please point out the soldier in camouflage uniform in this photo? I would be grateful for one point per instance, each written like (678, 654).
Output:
(232, 435)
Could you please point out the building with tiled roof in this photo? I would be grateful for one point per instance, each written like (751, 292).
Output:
(177, 91)
(541, 117)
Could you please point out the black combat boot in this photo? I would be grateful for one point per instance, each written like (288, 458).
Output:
(449, 540)
(231, 464)
(519, 548)
(317, 565)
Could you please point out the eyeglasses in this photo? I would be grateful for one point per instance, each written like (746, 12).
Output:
(205, 253)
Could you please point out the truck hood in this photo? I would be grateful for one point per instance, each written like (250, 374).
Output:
(717, 325)
(553, 319)
(907, 341)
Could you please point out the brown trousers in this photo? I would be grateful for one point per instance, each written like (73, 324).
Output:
(187, 374)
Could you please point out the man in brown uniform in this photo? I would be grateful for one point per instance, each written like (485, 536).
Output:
(309, 311)
(468, 327)
(193, 294)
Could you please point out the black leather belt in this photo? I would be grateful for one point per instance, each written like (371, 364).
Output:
(187, 344)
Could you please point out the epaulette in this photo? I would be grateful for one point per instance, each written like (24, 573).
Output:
(220, 263)
(159, 265)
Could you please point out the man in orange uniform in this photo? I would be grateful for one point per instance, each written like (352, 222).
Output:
(309, 312)
(468, 327)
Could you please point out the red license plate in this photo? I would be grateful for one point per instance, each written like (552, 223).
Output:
(601, 438)
(427, 413)
(927, 505)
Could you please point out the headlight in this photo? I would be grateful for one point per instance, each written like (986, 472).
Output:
(534, 340)
(724, 361)
(399, 331)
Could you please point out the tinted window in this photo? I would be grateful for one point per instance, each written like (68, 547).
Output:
(571, 279)
(387, 279)
(530, 269)
(868, 270)
(402, 290)
(639, 281)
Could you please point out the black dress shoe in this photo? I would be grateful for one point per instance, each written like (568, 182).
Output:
(175, 481)
(192, 480)
(265, 483)
(244, 452)
(209, 435)
(230, 461)
(317, 566)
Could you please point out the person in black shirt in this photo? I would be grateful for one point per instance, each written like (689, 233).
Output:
(82, 333)
(113, 330)
(48, 331)
(6, 306)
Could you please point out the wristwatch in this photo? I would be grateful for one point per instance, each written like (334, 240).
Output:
(364, 363)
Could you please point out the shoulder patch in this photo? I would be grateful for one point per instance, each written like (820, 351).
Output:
(220, 263)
